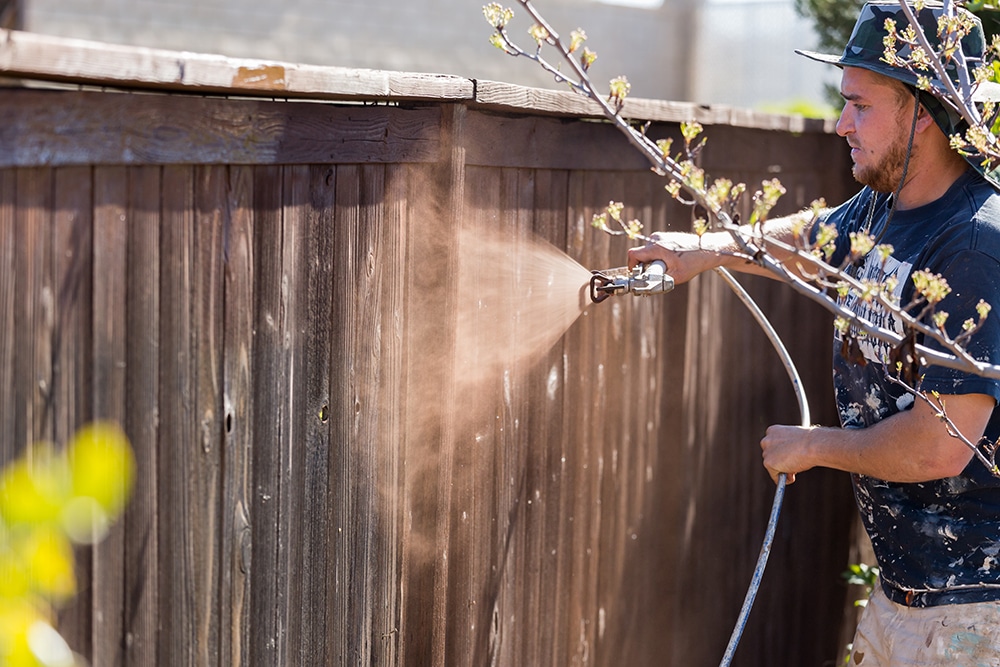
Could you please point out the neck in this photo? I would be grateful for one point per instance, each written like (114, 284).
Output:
(928, 181)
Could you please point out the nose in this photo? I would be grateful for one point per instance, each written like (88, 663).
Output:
(845, 124)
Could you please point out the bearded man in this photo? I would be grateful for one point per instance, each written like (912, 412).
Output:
(932, 511)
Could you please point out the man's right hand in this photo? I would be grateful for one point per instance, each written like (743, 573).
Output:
(684, 254)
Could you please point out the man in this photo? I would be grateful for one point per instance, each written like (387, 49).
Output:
(932, 510)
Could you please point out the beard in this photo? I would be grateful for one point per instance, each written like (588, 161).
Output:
(886, 173)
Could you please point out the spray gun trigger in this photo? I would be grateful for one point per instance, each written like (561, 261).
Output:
(651, 278)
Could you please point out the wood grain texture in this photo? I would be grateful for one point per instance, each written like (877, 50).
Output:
(141, 420)
(238, 410)
(9, 446)
(80, 128)
(317, 484)
(178, 539)
(50, 58)
(542, 101)
(111, 227)
(72, 398)
(270, 425)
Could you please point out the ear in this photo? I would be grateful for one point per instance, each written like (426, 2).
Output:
(925, 120)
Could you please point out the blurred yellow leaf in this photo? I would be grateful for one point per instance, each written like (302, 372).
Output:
(102, 465)
(15, 580)
(48, 498)
(49, 558)
(16, 619)
(33, 489)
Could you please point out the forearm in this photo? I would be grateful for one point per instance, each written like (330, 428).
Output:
(910, 446)
(886, 452)
(687, 255)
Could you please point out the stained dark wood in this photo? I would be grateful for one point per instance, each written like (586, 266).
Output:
(10, 445)
(269, 374)
(141, 419)
(111, 231)
(315, 485)
(238, 408)
(113, 128)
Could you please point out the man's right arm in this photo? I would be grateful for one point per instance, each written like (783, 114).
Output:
(687, 255)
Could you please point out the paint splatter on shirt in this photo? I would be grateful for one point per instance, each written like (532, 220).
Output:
(937, 542)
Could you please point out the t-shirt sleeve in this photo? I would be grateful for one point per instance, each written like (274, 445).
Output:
(973, 277)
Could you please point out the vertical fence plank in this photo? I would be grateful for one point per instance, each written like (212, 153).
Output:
(293, 443)
(587, 401)
(312, 200)
(190, 397)
(8, 327)
(108, 390)
(513, 573)
(33, 306)
(436, 206)
(630, 378)
(238, 409)
(191, 406)
(640, 603)
(545, 478)
(358, 427)
(565, 550)
(350, 602)
(477, 436)
(141, 419)
(73, 359)
(72, 259)
(205, 476)
(369, 352)
(270, 424)
(393, 239)
(177, 641)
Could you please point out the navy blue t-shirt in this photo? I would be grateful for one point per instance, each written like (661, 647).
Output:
(937, 542)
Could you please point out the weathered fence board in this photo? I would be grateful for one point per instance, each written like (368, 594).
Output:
(142, 387)
(110, 243)
(9, 255)
(322, 477)
(76, 60)
(86, 128)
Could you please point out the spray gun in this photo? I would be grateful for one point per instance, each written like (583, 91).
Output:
(643, 280)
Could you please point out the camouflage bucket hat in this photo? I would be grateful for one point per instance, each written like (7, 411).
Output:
(866, 49)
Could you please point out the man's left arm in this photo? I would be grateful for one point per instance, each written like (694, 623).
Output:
(910, 446)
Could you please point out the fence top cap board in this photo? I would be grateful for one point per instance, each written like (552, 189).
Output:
(33, 56)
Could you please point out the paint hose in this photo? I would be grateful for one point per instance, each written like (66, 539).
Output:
(779, 493)
(647, 279)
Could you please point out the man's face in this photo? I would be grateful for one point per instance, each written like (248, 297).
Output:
(876, 123)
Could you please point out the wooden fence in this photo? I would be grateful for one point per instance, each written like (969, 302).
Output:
(271, 296)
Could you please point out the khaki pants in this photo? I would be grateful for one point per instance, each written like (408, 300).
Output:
(959, 635)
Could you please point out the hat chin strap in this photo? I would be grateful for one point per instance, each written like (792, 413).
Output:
(906, 167)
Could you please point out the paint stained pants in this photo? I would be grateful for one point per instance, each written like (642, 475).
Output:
(961, 635)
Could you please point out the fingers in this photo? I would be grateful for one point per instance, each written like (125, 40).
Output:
(643, 254)
(775, 474)
(654, 249)
(782, 451)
